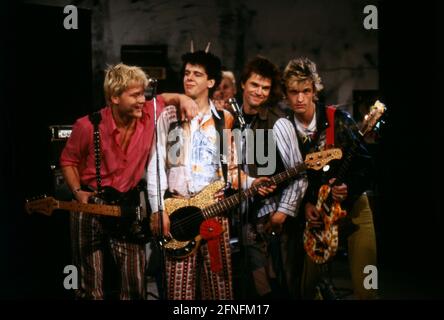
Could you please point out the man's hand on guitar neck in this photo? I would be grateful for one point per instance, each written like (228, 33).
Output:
(154, 224)
(265, 186)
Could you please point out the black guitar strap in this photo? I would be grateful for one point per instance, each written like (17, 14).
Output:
(137, 229)
(220, 125)
(95, 119)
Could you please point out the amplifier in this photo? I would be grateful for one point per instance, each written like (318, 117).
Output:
(59, 134)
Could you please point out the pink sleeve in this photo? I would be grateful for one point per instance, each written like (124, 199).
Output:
(76, 148)
(149, 106)
(160, 105)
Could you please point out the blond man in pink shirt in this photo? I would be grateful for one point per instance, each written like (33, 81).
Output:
(126, 132)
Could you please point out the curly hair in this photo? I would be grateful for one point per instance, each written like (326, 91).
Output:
(302, 69)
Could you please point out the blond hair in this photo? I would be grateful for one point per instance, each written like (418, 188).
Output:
(120, 77)
(302, 69)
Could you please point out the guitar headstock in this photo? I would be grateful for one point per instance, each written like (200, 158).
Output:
(45, 205)
(317, 160)
(372, 117)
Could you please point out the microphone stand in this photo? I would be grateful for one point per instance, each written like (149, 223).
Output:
(242, 253)
(159, 239)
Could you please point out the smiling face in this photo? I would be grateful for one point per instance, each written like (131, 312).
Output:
(256, 91)
(129, 104)
(195, 81)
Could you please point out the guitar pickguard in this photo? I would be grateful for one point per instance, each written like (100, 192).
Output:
(185, 218)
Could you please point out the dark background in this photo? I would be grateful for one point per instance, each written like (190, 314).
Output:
(46, 79)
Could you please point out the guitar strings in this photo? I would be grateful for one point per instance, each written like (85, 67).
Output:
(197, 216)
(200, 215)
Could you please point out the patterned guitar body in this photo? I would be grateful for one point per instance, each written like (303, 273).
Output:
(321, 243)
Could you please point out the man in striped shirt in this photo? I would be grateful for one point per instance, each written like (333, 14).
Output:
(269, 219)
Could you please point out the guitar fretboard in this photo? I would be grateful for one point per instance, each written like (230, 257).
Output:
(234, 200)
(106, 210)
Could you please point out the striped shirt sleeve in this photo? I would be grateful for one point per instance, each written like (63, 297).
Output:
(288, 147)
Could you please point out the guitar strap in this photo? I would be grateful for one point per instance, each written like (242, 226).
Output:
(330, 132)
(220, 125)
(95, 119)
(138, 230)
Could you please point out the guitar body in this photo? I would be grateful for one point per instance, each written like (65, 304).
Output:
(133, 224)
(186, 217)
(321, 243)
(111, 196)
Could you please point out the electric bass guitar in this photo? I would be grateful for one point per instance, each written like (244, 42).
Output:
(128, 209)
(187, 214)
(321, 242)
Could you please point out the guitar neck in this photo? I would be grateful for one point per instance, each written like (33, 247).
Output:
(343, 168)
(234, 200)
(100, 209)
(370, 121)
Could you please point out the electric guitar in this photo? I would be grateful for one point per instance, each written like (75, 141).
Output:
(321, 243)
(187, 214)
(128, 209)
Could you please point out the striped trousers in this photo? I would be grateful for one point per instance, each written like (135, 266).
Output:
(89, 242)
(186, 275)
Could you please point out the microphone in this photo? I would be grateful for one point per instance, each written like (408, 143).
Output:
(151, 88)
(152, 82)
(237, 111)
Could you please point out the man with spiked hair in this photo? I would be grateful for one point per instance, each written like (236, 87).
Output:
(196, 166)
(313, 122)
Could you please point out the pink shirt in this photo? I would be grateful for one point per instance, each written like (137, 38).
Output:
(119, 170)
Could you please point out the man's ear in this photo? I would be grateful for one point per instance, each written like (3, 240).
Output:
(115, 100)
(243, 86)
(211, 83)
